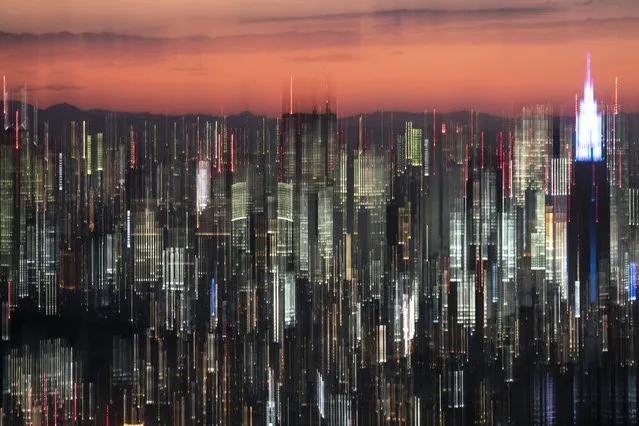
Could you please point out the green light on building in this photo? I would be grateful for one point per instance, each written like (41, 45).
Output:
(413, 139)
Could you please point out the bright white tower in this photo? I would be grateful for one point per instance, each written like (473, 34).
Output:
(588, 146)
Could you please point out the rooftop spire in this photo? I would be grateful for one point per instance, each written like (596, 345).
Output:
(588, 143)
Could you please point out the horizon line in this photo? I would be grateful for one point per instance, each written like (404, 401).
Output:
(316, 111)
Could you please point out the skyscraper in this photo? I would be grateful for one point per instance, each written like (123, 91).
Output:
(589, 226)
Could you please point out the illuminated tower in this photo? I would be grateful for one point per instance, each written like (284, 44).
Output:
(588, 125)
(589, 221)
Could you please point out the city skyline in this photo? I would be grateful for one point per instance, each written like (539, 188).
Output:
(419, 269)
(224, 59)
(274, 212)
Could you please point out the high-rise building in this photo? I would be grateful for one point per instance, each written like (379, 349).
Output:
(589, 227)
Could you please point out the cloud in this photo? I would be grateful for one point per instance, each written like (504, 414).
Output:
(311, 41)
(565, 30)
(54, 88)
(136, 48)
(196, 70)
(65, 36)
(92, 49)
(287, 40)
(337, 57)
(454, 14)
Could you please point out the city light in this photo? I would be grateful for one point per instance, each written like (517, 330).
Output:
(320, 268)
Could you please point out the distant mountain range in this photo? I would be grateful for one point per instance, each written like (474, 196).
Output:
(376, 124)
(66, 112)
(380, 126)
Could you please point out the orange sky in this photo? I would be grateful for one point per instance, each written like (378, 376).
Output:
(374, 54)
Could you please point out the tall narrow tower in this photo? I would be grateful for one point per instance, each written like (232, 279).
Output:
(590, 214)
(588, 124)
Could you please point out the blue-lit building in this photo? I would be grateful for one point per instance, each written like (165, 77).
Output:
(589, 226)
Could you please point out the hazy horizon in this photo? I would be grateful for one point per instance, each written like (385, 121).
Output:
(300, 106)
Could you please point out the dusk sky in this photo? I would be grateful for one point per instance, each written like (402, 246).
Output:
(211, 56)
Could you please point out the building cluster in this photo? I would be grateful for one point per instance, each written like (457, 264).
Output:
(310, 269)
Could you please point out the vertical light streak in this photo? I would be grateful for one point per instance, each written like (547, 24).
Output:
(620, 168)
(530, 146)
(232, 153)
(633, 282)
(282, 127)
(366, 162)
(572, 171)
(30, 406)
(482, 150)
(510, 164)
(17, 159)
(597, 203)
(465, 168)
(334, 139)
(219, 150)
(547, 162)
(616, 95)
(44, 393)
(434, 142)
(17, 130)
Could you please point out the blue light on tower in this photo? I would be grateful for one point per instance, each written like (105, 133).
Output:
(212, 297)
(588, 144)
(633, 281)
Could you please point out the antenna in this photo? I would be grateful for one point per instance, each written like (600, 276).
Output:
(616, 96)
(291, 109)
(588, 67)
(326, 94)
(4, 99)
